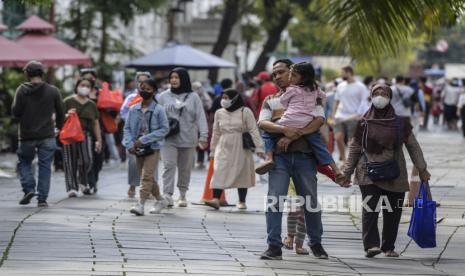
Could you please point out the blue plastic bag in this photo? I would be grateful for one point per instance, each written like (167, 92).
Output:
(422, 227)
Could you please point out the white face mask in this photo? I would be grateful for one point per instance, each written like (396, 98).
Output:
(225, 103)
(83, 91)
(380, 102)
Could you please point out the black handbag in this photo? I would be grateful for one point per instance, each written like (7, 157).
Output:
(174, 124)
(146, 150)
(247, 141)
(386, 170)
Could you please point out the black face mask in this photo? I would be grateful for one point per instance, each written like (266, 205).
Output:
(145, 94)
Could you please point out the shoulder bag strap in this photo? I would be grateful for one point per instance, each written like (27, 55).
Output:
(242, 120)
(398, 144)
(182, 108)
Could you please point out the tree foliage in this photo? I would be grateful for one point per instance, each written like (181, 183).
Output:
(369, 29)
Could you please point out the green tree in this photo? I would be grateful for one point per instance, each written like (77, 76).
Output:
(275, 16)
(455, 37)
(373, 30)
(311, 33)
(231, 13)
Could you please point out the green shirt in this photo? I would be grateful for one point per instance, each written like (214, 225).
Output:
(87, 112)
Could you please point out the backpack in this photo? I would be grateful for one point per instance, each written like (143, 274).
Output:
(408, 101)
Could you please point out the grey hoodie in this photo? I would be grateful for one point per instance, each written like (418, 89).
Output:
(193, 122)
(34, 105)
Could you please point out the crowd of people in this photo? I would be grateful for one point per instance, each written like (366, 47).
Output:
(287, 118)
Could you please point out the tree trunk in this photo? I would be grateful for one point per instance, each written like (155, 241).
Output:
(230, 17)
(274, 36)
(78, 27)
(104, 41)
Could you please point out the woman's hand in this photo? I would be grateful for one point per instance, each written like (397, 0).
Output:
(203, 145)
(138, 144)
(98, 146)
(71, 111)
(262, 155)
(132, 151)
(425, 176)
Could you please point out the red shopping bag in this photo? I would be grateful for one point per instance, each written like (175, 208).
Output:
(109, 99)
(71, 131)
(109, 123)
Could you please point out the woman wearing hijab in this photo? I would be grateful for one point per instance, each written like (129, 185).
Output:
(234, 165)
(379, 137)
(184, 109)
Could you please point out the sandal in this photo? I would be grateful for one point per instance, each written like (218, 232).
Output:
(391, 254)
(288, 243)
(301, 251)
(265, 167)
(371, 252)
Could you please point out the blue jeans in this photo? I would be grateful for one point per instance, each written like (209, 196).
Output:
(27, 150)
(319, 149)
(302, 168)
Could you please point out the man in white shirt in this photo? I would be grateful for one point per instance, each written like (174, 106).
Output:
(450, 99)
(350, 94)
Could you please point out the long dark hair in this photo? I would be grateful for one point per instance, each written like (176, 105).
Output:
(92, 84)
(306, 70)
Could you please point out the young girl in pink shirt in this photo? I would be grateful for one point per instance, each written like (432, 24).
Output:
(302, 102)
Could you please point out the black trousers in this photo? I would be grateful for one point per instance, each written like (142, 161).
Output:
(241, 191)
(97, 165)
(462, 115)
(391, 218)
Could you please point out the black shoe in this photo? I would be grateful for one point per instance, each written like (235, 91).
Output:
(318, 251)
(87, 191)
(27, 198)
(42, 204)
(371, 252)
(272, 253)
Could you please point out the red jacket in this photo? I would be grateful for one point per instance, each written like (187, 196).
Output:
(259, 95)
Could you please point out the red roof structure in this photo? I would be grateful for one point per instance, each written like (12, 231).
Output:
(35, 23)
(46, 48)
(12, 54)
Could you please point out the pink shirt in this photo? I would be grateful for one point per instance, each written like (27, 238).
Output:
(300, 104)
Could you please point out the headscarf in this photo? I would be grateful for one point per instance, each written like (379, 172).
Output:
(377, 130)
(236, 99)
(185, 86)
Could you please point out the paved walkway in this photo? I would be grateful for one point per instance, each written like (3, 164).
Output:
(96, 235)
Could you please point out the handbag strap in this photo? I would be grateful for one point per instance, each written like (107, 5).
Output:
(150, 119)
(242, 120)
(397, 144)
(182, 108)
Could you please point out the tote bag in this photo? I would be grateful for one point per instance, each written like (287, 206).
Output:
(422, 227)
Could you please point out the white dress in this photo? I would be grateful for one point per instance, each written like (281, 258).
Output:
(233, 165)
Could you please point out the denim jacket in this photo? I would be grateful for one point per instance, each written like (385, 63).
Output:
(159, 125)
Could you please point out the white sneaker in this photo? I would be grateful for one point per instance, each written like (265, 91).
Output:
(170, 201)
(158, 206)
(138, 209)
(182, 202)
(72, 193)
